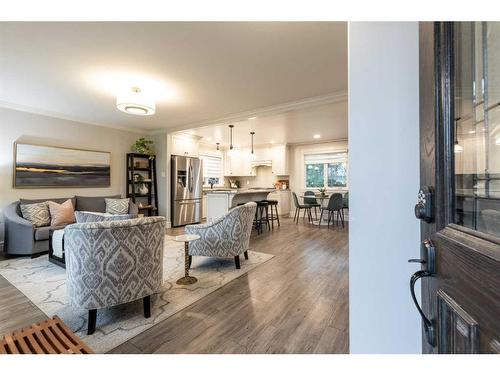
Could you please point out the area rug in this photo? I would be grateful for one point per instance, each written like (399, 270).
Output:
(45, 285)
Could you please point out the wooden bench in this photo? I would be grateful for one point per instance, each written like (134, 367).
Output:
(51, 336)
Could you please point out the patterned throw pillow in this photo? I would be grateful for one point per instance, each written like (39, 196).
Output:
(61, 214)
(117, 206)
(36, 213)
(92, 217)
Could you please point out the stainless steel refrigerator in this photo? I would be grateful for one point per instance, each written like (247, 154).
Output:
(187, 190)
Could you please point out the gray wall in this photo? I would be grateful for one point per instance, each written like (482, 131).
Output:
(33, 128)
(383, 182)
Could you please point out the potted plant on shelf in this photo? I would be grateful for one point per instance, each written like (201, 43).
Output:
(322, 191)
(144, 146)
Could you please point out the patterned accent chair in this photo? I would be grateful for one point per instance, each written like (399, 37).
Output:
(109, 263)
(227, 236)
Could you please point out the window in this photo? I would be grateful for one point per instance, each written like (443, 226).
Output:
(212, 170)
(326, 170)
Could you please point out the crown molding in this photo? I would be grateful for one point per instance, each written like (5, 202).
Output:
(62, 116)
(335, 97)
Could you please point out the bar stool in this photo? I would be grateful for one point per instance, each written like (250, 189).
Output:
(262, 207)
(273, 205)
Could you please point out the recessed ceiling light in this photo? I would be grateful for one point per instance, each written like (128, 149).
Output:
(134, 102)
(209, 139)
(472, 131)
(272, 141)
(317, 136)
(252, 118)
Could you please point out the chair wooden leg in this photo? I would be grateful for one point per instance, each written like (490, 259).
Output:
(277, 216)
(146, 301)
(92, 321)
(320, 217)
(237, 262)
(329, 218)
(342, 217)
(246, 255)
(304, 216)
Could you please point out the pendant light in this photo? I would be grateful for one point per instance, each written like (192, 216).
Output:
(217, 151)
(231, 151)
(457, 148)
(252, 154)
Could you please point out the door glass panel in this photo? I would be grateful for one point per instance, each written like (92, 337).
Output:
(477, 126)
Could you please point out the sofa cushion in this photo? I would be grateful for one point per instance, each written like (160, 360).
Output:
(42, 233)
(92, 217)
(36, 213)
(93, 204)
(61, 214)
(57, 200)
(117, 206)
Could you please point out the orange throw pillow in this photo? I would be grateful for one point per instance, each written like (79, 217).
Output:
(61, 214)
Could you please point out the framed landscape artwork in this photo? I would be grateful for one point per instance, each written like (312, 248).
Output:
(47, 166)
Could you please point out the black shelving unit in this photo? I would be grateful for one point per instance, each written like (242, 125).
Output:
(146, 167)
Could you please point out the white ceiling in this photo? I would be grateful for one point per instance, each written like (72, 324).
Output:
(293, 126)
(206, 70)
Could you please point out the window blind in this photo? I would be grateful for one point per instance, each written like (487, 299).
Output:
(324, 158)
(212, 166)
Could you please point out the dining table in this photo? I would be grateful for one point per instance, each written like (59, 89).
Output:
(321, 198)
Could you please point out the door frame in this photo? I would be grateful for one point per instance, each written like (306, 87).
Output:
(465, 247)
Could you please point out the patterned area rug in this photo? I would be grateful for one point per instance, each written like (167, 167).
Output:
(45, 285)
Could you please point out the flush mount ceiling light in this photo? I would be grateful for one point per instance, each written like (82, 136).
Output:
(134, 102)
(252, 154)
(317, 136)
(252, 118)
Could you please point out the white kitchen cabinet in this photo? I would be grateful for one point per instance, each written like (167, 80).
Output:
(239, 164)
(204, 206)
(186, 145)
(279, 159)
(284, 201)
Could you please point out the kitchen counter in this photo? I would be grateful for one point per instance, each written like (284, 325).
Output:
(219, 202)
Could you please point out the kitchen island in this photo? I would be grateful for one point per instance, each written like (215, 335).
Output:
(219, 202)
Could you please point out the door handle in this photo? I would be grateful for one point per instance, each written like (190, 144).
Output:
(428, 262)
(428, 325)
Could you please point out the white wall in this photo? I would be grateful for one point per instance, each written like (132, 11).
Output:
(33, 128)
(383, 182)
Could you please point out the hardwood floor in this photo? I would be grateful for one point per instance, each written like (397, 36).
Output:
(295, 303)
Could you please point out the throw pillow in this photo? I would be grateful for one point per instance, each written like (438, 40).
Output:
(61, 214)
(117, 206)
(92, 217)
(36, 213)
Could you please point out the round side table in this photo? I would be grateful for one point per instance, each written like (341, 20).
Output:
(186, 238)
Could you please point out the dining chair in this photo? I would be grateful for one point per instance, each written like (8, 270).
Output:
(335, 205)
(312, 201)
(298, 207)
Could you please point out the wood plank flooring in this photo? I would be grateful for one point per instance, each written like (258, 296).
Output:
(295, 303)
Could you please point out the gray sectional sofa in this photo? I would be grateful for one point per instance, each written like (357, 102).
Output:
(22, 238)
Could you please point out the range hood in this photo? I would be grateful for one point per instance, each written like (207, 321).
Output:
(261, 163)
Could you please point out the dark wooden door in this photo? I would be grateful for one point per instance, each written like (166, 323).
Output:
(460, 162)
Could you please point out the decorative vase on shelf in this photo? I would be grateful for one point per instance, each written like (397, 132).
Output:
(143, 189)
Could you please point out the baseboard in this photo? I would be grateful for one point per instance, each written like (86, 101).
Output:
(169, 224)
